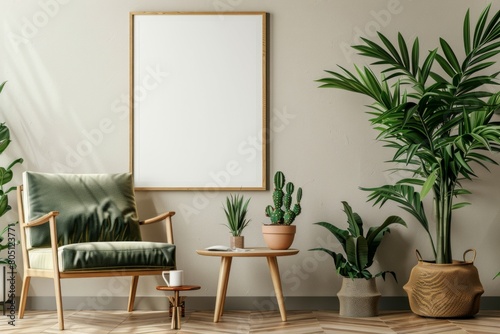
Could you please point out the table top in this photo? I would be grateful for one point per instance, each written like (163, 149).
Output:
(178, 288)
(250, 252)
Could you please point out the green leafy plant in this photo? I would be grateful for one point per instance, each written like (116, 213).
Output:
(282, 213)
(6, 175)
(236, 211)
(438, 122)
(359, 249)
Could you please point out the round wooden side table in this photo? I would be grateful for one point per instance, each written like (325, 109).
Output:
(176, 312)
(225, 268)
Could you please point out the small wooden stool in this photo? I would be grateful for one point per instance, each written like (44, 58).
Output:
(176, 312)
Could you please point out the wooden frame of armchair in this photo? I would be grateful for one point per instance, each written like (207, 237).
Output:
(56, 275)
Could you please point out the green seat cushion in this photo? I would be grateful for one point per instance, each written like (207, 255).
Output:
(107, 255)
(92, 207)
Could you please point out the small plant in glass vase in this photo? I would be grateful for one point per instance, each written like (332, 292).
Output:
(236, 211)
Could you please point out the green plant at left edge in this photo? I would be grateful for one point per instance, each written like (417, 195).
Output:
(6, 175)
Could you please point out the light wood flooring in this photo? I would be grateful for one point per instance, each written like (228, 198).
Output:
(236, 322)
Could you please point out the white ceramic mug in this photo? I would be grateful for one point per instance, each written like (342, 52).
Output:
(174, 277)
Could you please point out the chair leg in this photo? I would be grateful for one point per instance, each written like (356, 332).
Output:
(57, 288)
(24, 296)
(133, 289)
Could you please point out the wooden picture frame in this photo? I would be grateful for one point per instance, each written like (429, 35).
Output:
(198, 100)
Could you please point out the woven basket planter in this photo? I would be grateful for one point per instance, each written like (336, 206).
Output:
(444, 290)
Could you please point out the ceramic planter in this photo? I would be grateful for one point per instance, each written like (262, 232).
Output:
(279, 237)
(358, 297)
(444, 290)
(237, 241)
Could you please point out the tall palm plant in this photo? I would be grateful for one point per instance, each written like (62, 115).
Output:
(439, 123)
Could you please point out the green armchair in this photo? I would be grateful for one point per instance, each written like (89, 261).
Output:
(86, 225)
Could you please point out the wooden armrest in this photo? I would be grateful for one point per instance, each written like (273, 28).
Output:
(41, 220)
(166, 217)
(157, 218)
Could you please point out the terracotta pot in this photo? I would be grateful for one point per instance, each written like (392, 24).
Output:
(444, 290)
(358, 297)
(237, 242)
(279, 236)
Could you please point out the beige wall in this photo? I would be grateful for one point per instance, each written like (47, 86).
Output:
(67, 63)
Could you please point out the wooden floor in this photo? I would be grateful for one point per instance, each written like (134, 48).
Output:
(236, 322)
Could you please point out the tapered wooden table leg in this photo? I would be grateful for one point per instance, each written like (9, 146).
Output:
(176, 312)
(275, 275)
(222, 287)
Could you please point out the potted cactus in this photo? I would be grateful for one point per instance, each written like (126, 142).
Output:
(279, 234)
